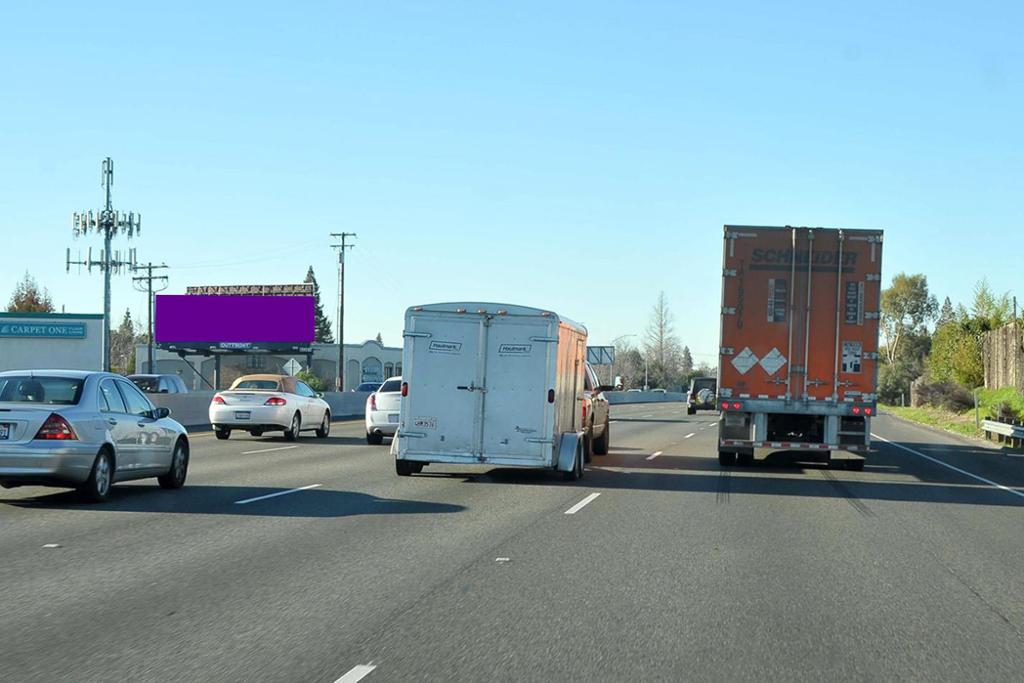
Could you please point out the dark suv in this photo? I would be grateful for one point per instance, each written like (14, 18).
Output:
(702, 395)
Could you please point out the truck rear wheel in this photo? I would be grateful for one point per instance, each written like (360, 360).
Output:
(601, 445)
(726, 458)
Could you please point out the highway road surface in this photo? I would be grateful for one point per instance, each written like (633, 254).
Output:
(314, 562)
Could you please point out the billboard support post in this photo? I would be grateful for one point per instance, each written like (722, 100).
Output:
(216, 372)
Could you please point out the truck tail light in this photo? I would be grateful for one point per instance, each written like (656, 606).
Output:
(551, 395)
(405, 388)
(868, 410)
(218, 399)
(856, 410)
(584, 411)
(725, 405)
(275, 401)
(373, 401)
(56, 428)
(736, 405)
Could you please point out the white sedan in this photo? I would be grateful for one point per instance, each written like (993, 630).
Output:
(382, 409)
(270, 403)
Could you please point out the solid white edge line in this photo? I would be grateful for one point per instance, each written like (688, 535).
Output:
(689, 435)
(952, 467)
(275, 495)
(268, 450)
(357, 673)
(580, 505)
(654, 455)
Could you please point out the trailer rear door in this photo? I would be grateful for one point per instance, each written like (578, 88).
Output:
(517, 421)
(800, 313)
(443, 408)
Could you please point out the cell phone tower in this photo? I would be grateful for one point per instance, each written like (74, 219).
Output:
(108, 223)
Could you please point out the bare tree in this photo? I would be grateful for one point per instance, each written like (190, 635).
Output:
(661, 346)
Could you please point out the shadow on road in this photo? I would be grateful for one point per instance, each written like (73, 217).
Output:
(220, 500)
(891, 475)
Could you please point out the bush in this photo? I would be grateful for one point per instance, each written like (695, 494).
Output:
(948, 395)
(314, 382)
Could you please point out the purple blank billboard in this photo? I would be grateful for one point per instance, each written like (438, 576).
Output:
(191, 318)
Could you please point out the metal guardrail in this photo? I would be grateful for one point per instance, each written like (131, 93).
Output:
(1009, 433)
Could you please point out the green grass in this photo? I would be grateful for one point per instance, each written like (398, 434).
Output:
(937, 417)
(963, 423)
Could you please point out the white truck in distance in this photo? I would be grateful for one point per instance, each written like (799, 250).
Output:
(492, 384)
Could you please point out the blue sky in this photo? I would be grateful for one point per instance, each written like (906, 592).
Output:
(574, 156)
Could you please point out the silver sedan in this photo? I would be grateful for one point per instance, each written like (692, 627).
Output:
(85, 430)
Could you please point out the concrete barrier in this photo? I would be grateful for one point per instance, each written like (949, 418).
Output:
(192, 410)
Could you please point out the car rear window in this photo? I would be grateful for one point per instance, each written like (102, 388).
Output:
(391, 386)
(257, 385)
(699, 384)
(147, 383)
(60, 391)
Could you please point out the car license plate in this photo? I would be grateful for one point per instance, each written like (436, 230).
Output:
(5, 431)
(393, 418)
(242, 414)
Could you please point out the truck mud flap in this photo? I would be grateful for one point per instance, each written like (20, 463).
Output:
(567, 448)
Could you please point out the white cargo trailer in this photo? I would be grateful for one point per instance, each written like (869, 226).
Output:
(491, 384)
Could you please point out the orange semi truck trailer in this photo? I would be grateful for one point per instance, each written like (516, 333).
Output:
(799, 341)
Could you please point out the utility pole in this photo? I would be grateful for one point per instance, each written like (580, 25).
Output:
(108, 223)
(340, 379)
(144, 283)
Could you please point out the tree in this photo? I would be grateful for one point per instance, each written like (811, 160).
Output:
(956, 354)
(946, 315)
(29, 298)
(661, 347)
(629, 365)
(314, 382)
(991, 311)
(380, 340)
(907, 307)
(686, 362)
(323, 333)
(122, 345)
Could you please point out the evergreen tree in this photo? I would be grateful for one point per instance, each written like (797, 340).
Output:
(946, 315)
(686, 363)
(324, 334)
(379, 339)
(29, 297)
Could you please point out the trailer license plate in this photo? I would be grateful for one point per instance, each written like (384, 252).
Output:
(242, 414)
(5, 431)
(393, 418)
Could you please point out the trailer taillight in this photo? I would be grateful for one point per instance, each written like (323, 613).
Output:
(551, 395)
(405, 388)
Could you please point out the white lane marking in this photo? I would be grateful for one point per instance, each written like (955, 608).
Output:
(952, 467)
(51, 545)
(646, 416)
(268, 450)
(654, 455)
(611, 422)
(689, 435)
(275, 495)
(580, 505)
(357, 673)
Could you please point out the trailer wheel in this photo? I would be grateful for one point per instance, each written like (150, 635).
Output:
(404, 468)
(577, 466)
(691, 410)
(726, 458)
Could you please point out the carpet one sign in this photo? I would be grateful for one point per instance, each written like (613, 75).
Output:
(43, 330)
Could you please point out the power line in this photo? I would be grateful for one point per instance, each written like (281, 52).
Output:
(107, 222)
(340, 378)
(137, 283)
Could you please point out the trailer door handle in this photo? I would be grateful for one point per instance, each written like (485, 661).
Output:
(472, 387)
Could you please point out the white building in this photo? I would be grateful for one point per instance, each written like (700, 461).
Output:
(366, 362)
(54, 341)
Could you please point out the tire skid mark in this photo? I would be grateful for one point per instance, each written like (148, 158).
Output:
(854, 502)
(724, 488)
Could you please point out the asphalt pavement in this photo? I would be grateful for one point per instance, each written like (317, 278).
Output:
(314, 562)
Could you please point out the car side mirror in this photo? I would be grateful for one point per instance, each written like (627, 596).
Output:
(319, 394)
(160, 412)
